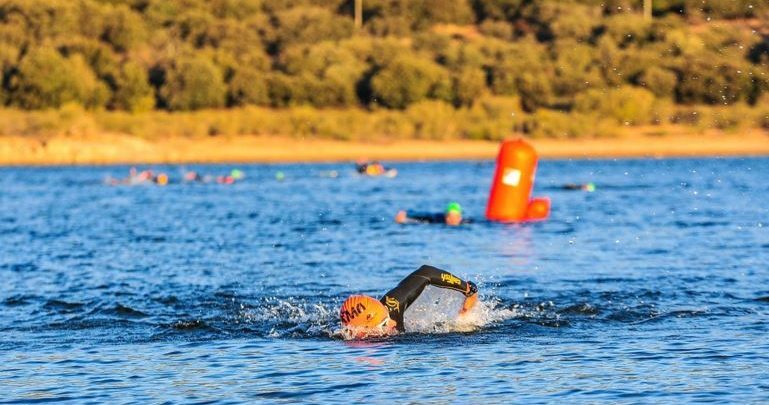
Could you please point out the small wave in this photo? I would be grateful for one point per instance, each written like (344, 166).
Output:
(23, 267)
(124, 311)
(580, 309)
(17, 300)
(190, 325)
(63, 307)
(700, 224)
(681, 313)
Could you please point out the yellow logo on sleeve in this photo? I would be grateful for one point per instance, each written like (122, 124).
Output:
(393, 303)
(450, 279)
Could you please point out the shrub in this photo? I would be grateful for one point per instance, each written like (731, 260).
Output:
(407, 80)
(193, 83)
(310, 24)
(497, 29)
(555, 124)
(123, 28)
(432, 120)
(47, 79)
(713, 82)
(248, 87)
(626, 105)
(469, 84)
(661, 82)
(133, 91)
(574, 22)
(627, 29)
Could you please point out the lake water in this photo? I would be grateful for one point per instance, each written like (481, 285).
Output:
(653, 288)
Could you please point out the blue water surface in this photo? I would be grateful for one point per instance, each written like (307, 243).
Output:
(653, 288)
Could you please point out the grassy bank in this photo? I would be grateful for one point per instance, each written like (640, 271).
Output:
(490, 119)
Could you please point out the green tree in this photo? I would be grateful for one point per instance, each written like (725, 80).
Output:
(713, 82)
(193, 83)
(574, 22)
(408, 79)
(310, 24)
(248, 87)
(498, 9)
(133, 91)
(626, 104)
(123, 28)
(535, 90)
(661, 82)
(469, 85)
(46, 79)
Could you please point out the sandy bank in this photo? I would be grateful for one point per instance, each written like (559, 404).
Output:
(114, 149)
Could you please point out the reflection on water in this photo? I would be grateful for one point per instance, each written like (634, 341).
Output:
(653, 288)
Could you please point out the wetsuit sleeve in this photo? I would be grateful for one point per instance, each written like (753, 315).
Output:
(426, 218)
(408, 290)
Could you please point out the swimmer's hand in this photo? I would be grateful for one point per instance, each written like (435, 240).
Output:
(472, 298)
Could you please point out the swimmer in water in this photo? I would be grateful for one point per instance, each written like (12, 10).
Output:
(366, 317)
(589, 187)
(452, 216)
(374, 169)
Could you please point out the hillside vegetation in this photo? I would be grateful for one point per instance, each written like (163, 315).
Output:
(477, 69)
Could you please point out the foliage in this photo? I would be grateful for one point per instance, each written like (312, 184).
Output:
(407, 80)
(576, 65)
(193, 83)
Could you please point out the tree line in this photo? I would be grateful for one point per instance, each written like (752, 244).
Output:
(587, 56)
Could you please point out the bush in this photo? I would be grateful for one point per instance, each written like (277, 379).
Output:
(626, 105)
(535, 90)
(710, 82)
(659, 81)
(469, 84)
(432, 120)
(724, 9)
(133, 92)
(47, 79)
(627, 29)
(575, 69)
(408, 79)
(310, 24)
(555, 124)
(574, 22)
(123, 28)
(497, 29)
(498, 9)
(248, 87)
(193, 83)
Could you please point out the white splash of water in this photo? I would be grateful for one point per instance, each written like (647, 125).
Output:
(437, 311)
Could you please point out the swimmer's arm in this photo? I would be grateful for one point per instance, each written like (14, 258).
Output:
(444, 279)
(408, 290)
(405, 217)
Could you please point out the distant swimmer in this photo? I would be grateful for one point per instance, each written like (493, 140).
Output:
(452, 216)
(235, 175)
(374, 169)
(589, 187)
(231, 178)
(136, 177)
(366, 317)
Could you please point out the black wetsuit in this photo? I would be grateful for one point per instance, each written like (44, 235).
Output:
(426, 218)
(408, 290)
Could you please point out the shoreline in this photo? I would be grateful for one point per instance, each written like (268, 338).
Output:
(115, 149)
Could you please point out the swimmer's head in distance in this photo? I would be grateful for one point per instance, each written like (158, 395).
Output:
(454, 207)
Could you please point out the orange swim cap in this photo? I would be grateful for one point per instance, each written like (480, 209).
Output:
(362, 311)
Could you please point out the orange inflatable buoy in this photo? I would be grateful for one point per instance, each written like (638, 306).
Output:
(510, 196)
(538, 209)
